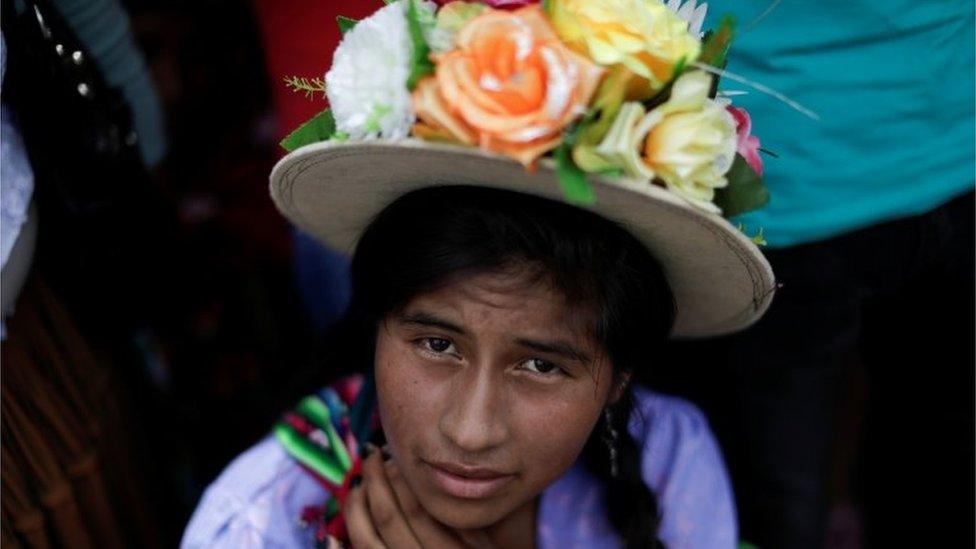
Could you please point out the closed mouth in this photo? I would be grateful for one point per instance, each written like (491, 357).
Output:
(468, 482)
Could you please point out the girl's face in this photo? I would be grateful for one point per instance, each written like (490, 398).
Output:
(488, 389)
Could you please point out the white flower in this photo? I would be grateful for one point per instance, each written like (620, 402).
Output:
(367, 84)
(690, 12)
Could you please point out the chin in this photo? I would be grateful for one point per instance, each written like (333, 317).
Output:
(468, 515)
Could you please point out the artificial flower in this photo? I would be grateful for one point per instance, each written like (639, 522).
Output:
(510, 86)
(367, 84)
(450, 18)
(615, 88)
(691, 12)
(503, 4)
(748, 144)
(642, 35)
(688, 142)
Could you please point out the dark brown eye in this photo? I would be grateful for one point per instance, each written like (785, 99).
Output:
(540, 366)
(438, 345)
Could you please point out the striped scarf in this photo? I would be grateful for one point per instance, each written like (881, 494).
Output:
(325, 433)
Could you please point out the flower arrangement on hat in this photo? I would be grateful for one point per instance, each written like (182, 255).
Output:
(617, 88)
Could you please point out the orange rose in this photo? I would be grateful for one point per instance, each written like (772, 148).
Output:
(509, 86)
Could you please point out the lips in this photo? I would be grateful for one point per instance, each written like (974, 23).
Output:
(467, 482)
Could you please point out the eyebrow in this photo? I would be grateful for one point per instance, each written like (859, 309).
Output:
(421, 318)
(559, 348)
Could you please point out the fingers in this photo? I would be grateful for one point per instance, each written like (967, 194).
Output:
(388, 519)
(362, 534)
(425, 528)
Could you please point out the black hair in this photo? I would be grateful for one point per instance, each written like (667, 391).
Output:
(429, 237)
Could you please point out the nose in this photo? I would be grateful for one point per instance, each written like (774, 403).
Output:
(475, 419)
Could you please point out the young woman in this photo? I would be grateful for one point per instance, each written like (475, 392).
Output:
(498, 331)
(504, 331)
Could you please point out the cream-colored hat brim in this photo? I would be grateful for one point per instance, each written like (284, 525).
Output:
(720, 279)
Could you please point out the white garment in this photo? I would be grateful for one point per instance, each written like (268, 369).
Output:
(16, 182)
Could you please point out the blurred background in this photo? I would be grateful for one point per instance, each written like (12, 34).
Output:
(156, 306)
(152, 332)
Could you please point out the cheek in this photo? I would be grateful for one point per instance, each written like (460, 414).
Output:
(551, 437)
(406, 404)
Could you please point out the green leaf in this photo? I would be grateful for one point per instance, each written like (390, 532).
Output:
(679, 67)
(454, 15)
(759, 239)
(572, 180)
(591, 129)
(420, 63)
(745, 191)
(308, 86)
(717, 44)
(320, 127)
(345, 23)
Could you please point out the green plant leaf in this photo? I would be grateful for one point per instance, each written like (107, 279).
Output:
(307, 86)
(572, 180)
(679, 67)
(320, 127)
(759, 239)
(420, 63)
(745, 191)
(591, 129)
(716, 46)
(345, 23)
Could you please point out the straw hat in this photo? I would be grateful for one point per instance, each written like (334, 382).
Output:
(720, 279)
(543, 99)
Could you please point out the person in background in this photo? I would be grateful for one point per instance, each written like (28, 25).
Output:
(870, 232)
(81, 125)
(295, 44)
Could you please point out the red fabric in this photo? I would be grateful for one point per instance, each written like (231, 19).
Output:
(299, 37)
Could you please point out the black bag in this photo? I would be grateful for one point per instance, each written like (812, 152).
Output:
(102, 220)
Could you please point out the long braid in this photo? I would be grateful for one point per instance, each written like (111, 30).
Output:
(631, 504)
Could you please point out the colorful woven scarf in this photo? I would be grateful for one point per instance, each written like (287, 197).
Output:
(325, 434)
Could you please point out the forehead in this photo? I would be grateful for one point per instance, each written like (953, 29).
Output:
(517, 298)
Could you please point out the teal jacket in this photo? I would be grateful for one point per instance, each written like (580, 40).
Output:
(892, 81)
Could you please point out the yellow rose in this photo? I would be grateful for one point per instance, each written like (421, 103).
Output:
(642, 35)
(688, 142)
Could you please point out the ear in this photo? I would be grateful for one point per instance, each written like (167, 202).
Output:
(619, 386)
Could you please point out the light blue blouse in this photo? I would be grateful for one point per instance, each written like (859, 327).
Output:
(258, 499)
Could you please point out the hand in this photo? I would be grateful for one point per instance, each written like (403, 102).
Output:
(382, 512)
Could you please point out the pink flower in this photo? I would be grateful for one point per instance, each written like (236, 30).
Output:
(748, 145)
(502, 4)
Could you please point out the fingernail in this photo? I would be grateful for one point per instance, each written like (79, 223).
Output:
(386, 451)
(356, 481)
